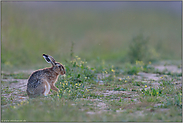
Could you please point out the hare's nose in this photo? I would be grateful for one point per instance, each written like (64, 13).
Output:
(63, 71)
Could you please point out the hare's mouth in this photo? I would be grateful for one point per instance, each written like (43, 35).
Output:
(64, 75)
(62, 72)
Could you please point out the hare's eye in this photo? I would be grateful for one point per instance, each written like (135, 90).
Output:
(60, 67)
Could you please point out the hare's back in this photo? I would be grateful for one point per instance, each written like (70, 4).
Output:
(37, 75)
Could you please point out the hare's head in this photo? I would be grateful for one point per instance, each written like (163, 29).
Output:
(57, 67)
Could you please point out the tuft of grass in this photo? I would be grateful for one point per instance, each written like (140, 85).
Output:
(152, 92)
(138, 48)
(133, 69)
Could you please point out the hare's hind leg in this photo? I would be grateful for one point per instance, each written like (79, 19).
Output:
(44, 88)
(47, 88)
(41, 90)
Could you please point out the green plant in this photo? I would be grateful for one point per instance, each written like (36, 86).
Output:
(72, 52)
(3, 100)
(138, 48)
(119, 89)
(133, 69)
(176, 101)
(79, 74)
(148, 68)
(151, 92)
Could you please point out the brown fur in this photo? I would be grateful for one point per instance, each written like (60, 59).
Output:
(40, 78)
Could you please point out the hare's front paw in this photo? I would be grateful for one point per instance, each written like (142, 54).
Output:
(50, 93)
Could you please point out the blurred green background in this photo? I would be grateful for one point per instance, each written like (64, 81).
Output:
(97, 30)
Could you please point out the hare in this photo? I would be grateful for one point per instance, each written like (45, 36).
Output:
(41, 81)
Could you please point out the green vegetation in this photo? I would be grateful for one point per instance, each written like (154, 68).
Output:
(138, 48)
(110, 65)
(83, 91)
(93, 35)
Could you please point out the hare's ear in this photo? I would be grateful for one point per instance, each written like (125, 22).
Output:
(49, 59)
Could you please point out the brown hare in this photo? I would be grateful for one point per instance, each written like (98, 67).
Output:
(41, 81)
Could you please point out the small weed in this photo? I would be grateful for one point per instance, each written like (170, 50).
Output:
(139, 83)
(133, 69)
(151, 92)
(72, 52)
(6, 90)
(165, 83)
(148, 68)
(3, 100)
(119, 89)
(176, 101)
